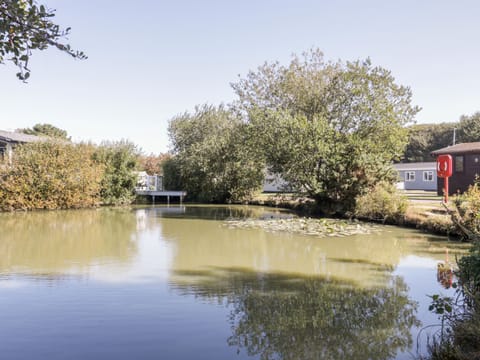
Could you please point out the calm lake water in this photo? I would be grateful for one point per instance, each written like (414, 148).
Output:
(177, 283)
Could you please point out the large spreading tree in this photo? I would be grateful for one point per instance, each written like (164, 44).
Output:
(26, 26)
(330, 129)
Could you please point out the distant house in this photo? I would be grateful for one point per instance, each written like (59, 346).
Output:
(417, 176)
(8, 141)
(466, 166)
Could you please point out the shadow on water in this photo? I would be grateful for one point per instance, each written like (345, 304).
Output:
(278, 316)
(215, 212)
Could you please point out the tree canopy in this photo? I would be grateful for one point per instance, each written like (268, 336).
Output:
(425, 138)
(469, 128)
(46, 130)
(152, 164)
(25, 26)
(212, 154)
(330, 129)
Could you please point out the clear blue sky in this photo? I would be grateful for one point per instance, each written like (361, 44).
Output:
(151, 60)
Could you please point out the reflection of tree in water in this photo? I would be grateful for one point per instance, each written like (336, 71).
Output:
(219, 212)
(281, 317)
(54, 241)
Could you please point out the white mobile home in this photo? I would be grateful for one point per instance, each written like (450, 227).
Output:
(417, 176)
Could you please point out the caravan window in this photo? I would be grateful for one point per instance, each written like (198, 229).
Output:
(410, 176)
(428, 176)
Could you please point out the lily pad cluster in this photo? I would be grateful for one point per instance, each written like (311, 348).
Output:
(306, 226)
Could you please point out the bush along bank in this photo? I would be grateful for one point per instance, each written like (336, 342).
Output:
(61, 175)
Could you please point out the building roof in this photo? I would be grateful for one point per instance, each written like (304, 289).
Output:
(416, 166)
(18, 137)
(473, 147)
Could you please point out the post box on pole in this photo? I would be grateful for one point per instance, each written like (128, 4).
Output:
(445, 170)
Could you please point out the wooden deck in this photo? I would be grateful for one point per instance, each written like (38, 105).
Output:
(168, 194)
(152, 185)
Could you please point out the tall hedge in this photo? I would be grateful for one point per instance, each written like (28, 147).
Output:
(50, 175)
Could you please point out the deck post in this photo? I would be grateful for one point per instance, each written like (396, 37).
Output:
(168, 199)
(153, 196)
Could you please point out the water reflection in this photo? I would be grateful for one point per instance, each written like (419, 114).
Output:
(287, 296)
(56, 242)
(216, 212)
(149, 243)
(365, 259)
(276, 316)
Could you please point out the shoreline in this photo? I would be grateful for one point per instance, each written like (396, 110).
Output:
(424, 215)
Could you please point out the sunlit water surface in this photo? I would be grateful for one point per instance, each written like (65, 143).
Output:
(177, 283)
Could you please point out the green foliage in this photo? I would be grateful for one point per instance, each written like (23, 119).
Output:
(383, 202)
(330, 129)
(469, 128)
(425, 138)
(172, 174)
(468, 209)
(120, 161)
(46, 130)
(440, 304)
(213, 157)
(27, 26)
(57, 174)
(469, 272)
(50, 175)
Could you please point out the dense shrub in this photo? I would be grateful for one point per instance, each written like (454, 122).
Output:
(469, 271)
(119, 179)
(467, 213)
(383, 203)
(50, 175)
